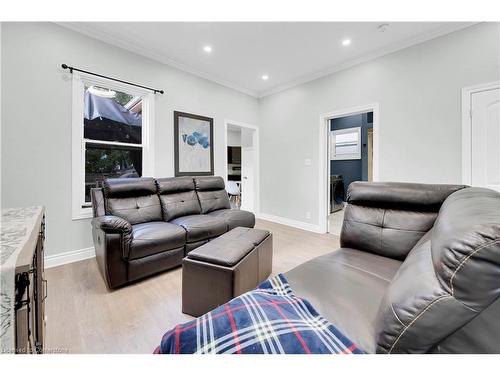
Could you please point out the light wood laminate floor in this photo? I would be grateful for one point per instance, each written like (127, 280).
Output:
(83, 316)
(335, 221)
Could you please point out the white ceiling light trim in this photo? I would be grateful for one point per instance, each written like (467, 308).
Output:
(207, 49)
(135, 46)
(346, 42)
(382, 52)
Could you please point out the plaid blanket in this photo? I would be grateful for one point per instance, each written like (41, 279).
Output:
(269, 319)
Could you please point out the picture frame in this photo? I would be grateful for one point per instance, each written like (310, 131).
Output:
(193, 145)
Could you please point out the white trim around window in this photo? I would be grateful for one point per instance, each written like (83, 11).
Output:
(79, 209)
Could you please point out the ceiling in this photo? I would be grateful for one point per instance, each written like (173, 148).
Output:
(290, 53)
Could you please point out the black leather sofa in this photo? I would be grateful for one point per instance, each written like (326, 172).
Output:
(142, 226)
(418, 270)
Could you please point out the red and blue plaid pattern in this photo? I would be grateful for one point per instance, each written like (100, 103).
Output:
(267, 320)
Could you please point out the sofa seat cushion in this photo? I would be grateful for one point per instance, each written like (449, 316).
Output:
(201, 227)
(155, 237)
(235, 218)
(346, 287)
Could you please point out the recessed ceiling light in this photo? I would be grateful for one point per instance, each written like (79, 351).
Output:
(346, 42)
(207, 49)
(265, 77)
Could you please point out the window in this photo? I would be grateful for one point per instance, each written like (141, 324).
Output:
(112, 136)
(345, 144)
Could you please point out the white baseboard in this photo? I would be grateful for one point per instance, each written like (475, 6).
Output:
(69, 257)
(290, 222)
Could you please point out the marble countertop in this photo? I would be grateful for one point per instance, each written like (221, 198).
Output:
(15, 227)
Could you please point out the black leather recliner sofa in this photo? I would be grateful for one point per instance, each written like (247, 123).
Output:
(142, 226)
(418, 270)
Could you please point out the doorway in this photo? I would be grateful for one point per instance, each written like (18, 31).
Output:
(242, 165)
(481, 136)
(350, 146)
(348, 153)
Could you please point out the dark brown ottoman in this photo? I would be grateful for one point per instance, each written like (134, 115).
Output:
(224, 268)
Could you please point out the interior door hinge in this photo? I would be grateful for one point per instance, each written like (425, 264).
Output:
(470, 113)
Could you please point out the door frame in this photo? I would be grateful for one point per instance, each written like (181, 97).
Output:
(467, 126)
(323, 147)
(256, 148)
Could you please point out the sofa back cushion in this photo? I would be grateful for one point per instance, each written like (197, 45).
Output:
(211, 193)
(97, 197)
(449, 277)
(133, 199)
(389, 218)
(178, 197)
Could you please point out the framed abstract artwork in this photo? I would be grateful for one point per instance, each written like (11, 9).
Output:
(193, 145)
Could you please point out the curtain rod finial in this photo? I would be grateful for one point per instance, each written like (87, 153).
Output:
(64, 66)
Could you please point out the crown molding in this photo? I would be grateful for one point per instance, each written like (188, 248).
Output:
(135, 46)
(367, 57)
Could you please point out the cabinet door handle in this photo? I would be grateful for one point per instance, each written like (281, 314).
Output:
(46, 292)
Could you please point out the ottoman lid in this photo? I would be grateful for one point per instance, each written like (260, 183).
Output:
(228, 249)
(255, 236)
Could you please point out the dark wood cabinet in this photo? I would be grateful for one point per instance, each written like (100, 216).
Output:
(25, 263)
(30, 297)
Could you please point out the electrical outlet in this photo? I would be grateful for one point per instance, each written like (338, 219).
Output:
(308, 215)
(307, 162)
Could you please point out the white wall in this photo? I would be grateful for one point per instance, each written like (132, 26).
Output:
(419, 92)
(36, 117)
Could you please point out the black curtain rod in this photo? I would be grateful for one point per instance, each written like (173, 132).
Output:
(71, 68)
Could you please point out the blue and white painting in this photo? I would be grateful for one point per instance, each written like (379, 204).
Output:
(196, 138)
(194, 145)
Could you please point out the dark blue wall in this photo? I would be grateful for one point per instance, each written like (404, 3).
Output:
(353, 170)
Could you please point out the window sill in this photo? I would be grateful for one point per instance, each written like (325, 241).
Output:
(83, 214)
(346, 158)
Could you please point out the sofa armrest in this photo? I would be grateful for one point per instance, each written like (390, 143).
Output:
(112, 236)
(389, 218)
(113, 224)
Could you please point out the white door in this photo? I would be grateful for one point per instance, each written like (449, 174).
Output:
(247, 179)
(486, 139)
(248, 165)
